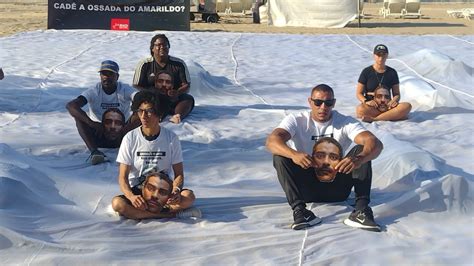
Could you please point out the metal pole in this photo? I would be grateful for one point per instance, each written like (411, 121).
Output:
(358, 10)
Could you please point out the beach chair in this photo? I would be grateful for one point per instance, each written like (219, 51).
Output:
(455, 13)
(468, 13)
(412, 8)
(384, 6)
(394, 8)
(235, 6)
(361, 8)
(221, 6)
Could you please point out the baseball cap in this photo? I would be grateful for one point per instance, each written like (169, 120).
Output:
(380, 48)
(109, 65)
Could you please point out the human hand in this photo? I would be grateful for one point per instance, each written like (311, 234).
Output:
(348, 164)
(367, 119)
(176, 119)
(392, 104)
(302, 159)
(372, 103)
(175, 196)
(138, 202)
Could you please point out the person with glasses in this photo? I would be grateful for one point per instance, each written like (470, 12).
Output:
(146, 149)
(179, 105)
(375, 75)
(291, 144)
(108, 93)
(159, 60)
(382, 109)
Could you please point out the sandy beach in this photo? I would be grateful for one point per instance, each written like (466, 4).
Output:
(20, 16)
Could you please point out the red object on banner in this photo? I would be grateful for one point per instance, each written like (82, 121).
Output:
(120, 24)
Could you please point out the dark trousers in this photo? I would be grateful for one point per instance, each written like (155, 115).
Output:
(301, 185)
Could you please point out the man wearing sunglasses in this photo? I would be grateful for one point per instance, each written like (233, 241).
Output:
(382, 109)
(146, 149)
(292, 143)
(108, 93)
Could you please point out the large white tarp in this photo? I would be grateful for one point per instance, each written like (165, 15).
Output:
(55, 207)
(311, 13)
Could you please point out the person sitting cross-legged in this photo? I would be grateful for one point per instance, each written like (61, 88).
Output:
(380, 75)
(382, 108)
(147, 149)
(180, 105)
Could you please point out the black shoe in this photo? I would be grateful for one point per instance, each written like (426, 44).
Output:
(97, 157)
(363, 219)
(304, 218)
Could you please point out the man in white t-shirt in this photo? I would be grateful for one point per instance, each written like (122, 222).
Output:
(292, 142)
(150, 149)
(108, 93)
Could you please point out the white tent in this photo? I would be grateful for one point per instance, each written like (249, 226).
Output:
(311, 13)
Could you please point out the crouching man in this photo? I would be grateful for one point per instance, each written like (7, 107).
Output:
(292, 144)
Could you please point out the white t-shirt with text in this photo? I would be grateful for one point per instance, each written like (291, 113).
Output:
(144, 156)
(305, 131)
(99, 101)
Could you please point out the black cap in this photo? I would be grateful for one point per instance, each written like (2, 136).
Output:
(380, 48)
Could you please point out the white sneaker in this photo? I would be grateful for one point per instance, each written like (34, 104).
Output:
(192, 212)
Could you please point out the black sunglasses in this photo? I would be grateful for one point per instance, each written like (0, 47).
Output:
(328, 103)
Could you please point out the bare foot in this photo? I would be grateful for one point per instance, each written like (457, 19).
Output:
(176, 119)
(367, 119)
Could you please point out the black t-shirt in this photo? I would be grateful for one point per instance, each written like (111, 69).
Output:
(146, 69)
(371, 79)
